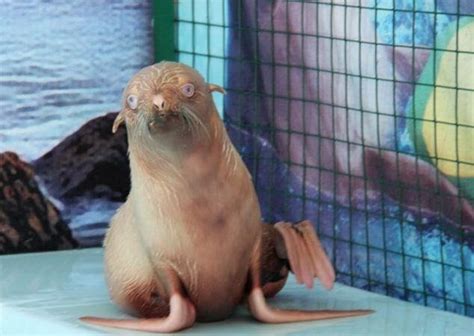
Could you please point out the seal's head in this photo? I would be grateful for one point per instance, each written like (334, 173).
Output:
(167, 98)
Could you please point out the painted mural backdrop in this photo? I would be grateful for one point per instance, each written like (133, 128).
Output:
(355, 114)
(63, 67)
(358, 115)
(62, 64)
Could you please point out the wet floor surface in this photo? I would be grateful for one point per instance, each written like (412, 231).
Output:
(46, 293)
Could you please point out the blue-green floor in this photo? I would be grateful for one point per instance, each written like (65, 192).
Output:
(46, 293)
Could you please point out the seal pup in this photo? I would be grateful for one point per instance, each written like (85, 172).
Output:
(188, 244)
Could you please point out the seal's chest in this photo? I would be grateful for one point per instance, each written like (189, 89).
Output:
(218, 203)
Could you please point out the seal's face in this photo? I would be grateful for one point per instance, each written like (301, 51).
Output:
(166, 98)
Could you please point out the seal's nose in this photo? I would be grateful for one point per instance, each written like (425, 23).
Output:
(159, 103)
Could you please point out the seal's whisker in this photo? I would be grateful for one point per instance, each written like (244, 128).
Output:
(189, 119)
(196, 120)
(201, 124)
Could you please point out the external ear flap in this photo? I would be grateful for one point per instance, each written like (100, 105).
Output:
(118, 121)
(214, 87)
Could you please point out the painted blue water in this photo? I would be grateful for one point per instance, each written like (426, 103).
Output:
(64, 62)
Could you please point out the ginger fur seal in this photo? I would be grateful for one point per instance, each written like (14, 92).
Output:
(188, 244)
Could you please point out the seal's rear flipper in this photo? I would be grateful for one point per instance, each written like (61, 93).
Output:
(305, 254)
(264, 313)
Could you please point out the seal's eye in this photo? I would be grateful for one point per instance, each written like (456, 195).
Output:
(188, 90)
(132, 101)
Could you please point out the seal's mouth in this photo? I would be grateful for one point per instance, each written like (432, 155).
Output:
(164, 119)
(184, 120)
(174, 115)
(164, 113)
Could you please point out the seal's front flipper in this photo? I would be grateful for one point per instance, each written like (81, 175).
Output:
(182, 314)
(305, 254)
(264, 313)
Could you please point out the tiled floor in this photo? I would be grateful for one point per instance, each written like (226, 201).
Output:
(46, 294)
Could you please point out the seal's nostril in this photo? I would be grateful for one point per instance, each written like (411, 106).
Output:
(159, 102)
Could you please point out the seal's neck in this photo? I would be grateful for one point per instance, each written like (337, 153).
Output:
(181, 161)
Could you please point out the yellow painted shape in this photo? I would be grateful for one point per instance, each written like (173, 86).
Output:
(442, 139)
